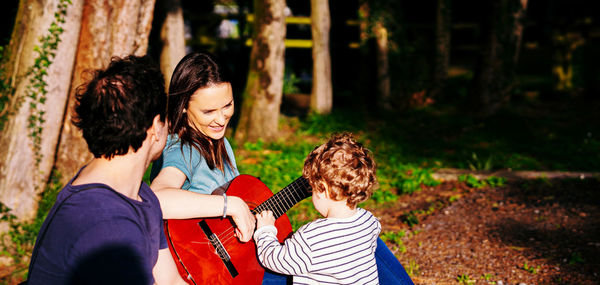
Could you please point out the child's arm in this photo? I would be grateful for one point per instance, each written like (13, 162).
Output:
(291, 258)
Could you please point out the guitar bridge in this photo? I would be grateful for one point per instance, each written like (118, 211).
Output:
(220, 249)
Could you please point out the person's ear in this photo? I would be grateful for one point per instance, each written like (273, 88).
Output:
(157, 128)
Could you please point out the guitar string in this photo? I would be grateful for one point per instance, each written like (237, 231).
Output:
(288, 198)
(282, 196)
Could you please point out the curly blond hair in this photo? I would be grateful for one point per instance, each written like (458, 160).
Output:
(345, 166)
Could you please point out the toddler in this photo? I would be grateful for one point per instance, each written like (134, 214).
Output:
(340, 247)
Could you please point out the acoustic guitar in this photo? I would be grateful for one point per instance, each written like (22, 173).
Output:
(206, 251)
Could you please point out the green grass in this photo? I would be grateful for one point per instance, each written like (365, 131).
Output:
(465, 279)
(395, 238)
(530, 269)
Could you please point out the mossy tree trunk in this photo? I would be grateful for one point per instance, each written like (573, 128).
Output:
(40, 68)
(109, 28)
(321, 99)
(261, 99)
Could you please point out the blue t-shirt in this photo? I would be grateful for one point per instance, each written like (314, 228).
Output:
(99, 236)
(199, 177)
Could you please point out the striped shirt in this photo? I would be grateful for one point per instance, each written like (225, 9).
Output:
(325, 251)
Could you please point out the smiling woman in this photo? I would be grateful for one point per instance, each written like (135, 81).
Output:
(210, 110)
(198, 158)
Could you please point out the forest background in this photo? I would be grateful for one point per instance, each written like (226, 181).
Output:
(427, 85)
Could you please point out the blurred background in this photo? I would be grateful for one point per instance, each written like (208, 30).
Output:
(427, 85)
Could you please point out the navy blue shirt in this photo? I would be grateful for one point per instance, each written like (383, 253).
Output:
(99, 236)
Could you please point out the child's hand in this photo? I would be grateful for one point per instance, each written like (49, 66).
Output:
(265, 218)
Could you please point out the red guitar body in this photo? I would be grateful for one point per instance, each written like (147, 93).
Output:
(197, 259)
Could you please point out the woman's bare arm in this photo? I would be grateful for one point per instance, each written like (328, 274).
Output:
(181, 204)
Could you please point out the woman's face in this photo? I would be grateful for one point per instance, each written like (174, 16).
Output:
(210, 110)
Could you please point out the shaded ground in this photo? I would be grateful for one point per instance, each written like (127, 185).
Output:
(534, 232)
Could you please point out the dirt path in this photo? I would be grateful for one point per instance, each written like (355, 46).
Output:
(529, 232)
(451, 174)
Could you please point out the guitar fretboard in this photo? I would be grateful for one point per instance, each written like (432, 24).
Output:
(283, 200)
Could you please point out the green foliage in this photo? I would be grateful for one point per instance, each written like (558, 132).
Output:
(471, 181)
(494, 181)
(465, 279)
(476, 164)
(526, 137)
(335, 122)
(412, 268)
(407, 178)
(453, 198)
(530, 269)
(6, 90)
(491, 181)
(146, 177)
(36, 89)
(410, 218)
(396, 238)
(290, 83)
(382, 196)
(487, 277)
(412, 179)
(576, 258)
(277, 163)
(22, 235)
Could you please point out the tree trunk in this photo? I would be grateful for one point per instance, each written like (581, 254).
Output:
(519, 16)
(495, 78)
(366, 74)
(261, 98)
(442, 47)
(321, 99)
(383, 69)
(172, 35)
(30, 135)
(109, 28)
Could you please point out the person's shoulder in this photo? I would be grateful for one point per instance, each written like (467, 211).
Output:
(363, 214)
(100, 201)
(366, 218)
(147, 193)
(173, 143)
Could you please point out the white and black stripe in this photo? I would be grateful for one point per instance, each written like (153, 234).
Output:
(325, 251)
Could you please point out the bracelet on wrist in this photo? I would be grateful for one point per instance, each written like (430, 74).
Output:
(224, 205)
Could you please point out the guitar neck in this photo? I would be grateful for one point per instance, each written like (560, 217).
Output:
(285, 199)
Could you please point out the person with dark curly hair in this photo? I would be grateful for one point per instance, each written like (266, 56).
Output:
(106, 224)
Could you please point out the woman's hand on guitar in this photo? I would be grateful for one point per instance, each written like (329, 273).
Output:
(265, 218)
(243, 218)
